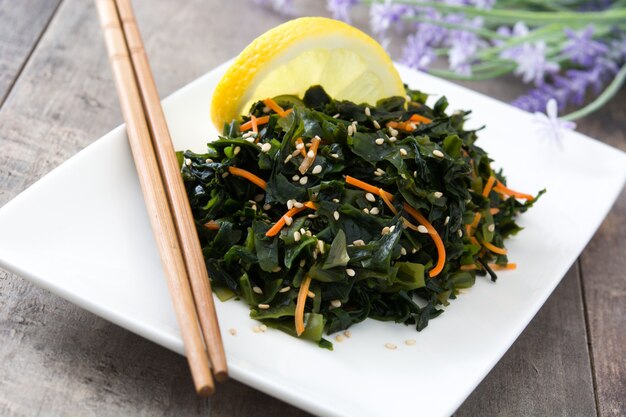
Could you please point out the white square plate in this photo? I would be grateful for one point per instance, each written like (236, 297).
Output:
(82, 232)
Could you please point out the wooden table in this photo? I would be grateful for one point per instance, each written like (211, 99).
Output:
(57, 96)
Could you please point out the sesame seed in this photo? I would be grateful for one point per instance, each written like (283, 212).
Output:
(316, 169)
(247, 134)
(368, 112)
(264, 306)
(284, 289)
(276, 269)
(299, 146)
(422, 229)
(308, 233)
(208, 161)
(438, 194)
(370, 197)
(304, 180)
(379, 141)
(249, 139)
(376, 124)
(187, 161)
(237, 150)
(403, 152)
(336, 116)
(335, 200)
(288, 158)
(297, 204)
(392, 139)
(393, 132)
(414, 250)
(267, 206)
(350, 272)
(358, 242)
(335, 303)
(296, 177)
(385, 230)
(263, 328)
(256, 329)
(310, 154)
(409, 342)
(257, 290)
(350, 130)
(366, 210)
(391, 346)
(334, 155)
(315, 254)
(491, 227)
(302, 230)
(266, 147)
(232, 331)
(392, 228)
(460, 232)
(438, 153)
(402, 251)
(446, 220)
(302, 263)
(347, 333)
(288, 220)
(374, 211)
(289, 204)
(295, 153)
(297, 236)
(259, 197)
(310, 294)
(336, 215)
(225, 174)
(266, 109)
(320, 246)
(339, 338)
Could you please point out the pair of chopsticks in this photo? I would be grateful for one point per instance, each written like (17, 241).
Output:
(164, 194)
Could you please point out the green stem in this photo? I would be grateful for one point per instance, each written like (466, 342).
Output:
(545, 33)
(484, 75)
(606, 95)
(485, 33)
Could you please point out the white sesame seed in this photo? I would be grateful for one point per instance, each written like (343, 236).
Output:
(263, 328)
(320, 246)
(379, 172)
(437, 194)
(308, 233)
(393, 132)
(438, 153)
(316, 169)
(392, 139)
(415, 174)
(335, 303)
(460, 232)
(350, 272)
(256, 329)
(237, 150)
(302, 230)
(264, 306)
(334, 155)
(297, 204)
(339, 338)
(370, 197)
(295, 153)
(402, 251)
(350, 130)
(422, 229)
(413, 250)
(335, 200)
(297, 236)
(259, 197)
(232, 331)
(266, 147)
(310, 154)
(288, 158)
(276, 269)
(302, 263)
(249, 139)
(379, 141)
(267, 206)
(336, 116)
(247, 134)
(374, 211)
(257, 290)
(299, 145)
(403, 152)
(288, 220)
(392, 228)
(336, 215)
(187, 161)
(208, 161)
(358, 242)
(368, 112)
(312, 216)
(409, 342)
(376, 124)
(304, 180)
(347, 333)
(491, 227)
(284, 289)
(225, 174)
(366, 210)
(385, 230)
(310, 294)
(290, 204)
(446, 220)
(296, 177)
(391, 346)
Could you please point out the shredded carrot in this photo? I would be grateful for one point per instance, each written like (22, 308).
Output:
(212, 225)
(497, 267)
(281, 222)
(368, 187)
(494, 248)
(474, 225)
(469, 267)
(300, 303)
(310, 156)
(259, 121)
(419, 118)
(386, 197)
(502, 189)
(311, 205)
(441, 250)
(407, 127)
(302, 150)
(474, 241)
(490, 182)
(255, 127)
(286, 112)
(274, 106)
(249, 176)
(494, 210)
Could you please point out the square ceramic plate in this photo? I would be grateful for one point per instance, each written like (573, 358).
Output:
(82, 233)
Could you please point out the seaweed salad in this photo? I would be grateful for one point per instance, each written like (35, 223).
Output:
(321, 213)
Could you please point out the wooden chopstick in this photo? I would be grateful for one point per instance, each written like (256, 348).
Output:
(155, 197)
(177, 196)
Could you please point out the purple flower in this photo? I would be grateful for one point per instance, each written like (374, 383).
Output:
(340, 9)
(463, 44)
(532, 64)
(417, 53)
(581, 48)
(383, 16)
(549, 125)
(519, 31)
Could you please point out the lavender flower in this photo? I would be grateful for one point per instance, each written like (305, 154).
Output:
(417, 53)
(581, 48)
(519, 31)
(340, 9)
(549, 125)
(532, 64)
(463, 44)
(382, 16)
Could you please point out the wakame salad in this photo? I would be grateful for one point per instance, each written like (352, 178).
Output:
(321, 213)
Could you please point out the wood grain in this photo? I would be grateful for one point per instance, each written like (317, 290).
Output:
(59, 359)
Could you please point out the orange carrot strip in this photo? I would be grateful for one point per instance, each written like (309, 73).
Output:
(474, 225)
(274, 106)
(281, 222)
(469, 267)
(302, 150)
(441, 250)
(212, 225)
(249, 176)
(420, 118)
(502, 189)
(310, 155)
(474, 241)
(489, 186)
(300, 303)
(494, 248)
(311, 205)
(255, 127)
(509, 266)
(494, 210)
(286, 112)
(368, 187)
(386, 197)
(259, 121)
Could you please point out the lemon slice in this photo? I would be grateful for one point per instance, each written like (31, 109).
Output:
(290, 58)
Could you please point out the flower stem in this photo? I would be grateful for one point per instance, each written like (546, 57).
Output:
(504, 68)
(606, 95)
(485, 33)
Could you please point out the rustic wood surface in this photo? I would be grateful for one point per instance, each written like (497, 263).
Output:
(57, 96)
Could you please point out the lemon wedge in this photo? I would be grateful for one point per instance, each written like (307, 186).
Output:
(290, 58)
